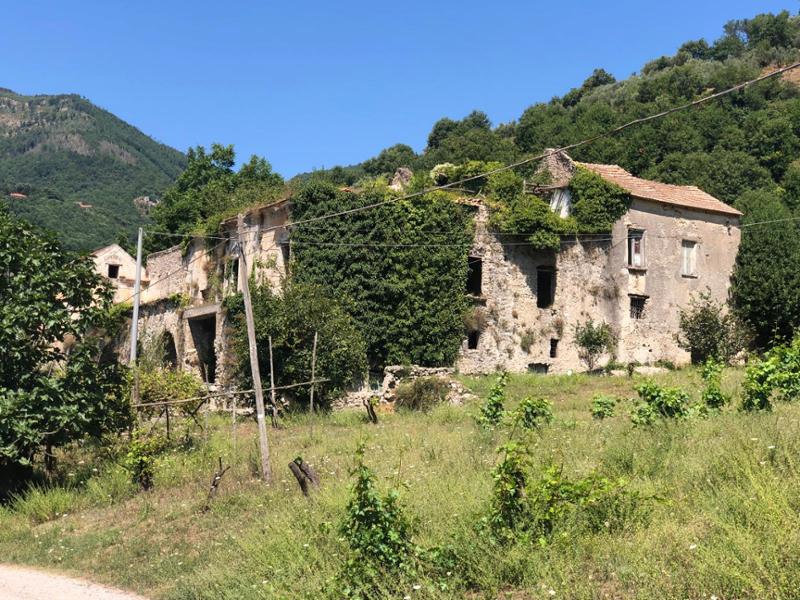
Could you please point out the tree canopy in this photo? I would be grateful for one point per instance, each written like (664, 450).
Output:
(209, 190)
(53, 386)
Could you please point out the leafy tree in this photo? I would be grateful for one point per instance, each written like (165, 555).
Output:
(291, 319)
(210, 189)
(709, 332)
(53, 387)
(765, 287)
(388, 161)
(594, 340)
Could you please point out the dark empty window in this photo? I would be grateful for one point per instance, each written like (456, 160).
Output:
(637, 306)
(545, 286)
(540, 368)
(474, 276)
(472, 339)
(286, 252)
(553, 348)
(113, 271)
(204, 333)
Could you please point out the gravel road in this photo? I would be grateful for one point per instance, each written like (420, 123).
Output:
(19, 583)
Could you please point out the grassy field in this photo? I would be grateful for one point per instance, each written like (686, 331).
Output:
(724, 520)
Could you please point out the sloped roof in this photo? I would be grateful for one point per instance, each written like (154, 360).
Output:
(688, 196)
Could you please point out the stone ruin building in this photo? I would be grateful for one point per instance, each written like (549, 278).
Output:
(673, 242)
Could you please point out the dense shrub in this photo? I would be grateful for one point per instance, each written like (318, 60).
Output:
(291, 319)
(603, 407)
(141, 456)
(776, 374)
(378, 535)
(594, 340)
(509, 506)
(52, 393)
(524, 509)
(533, 412)
(713, 397)
(493, 409)
(422, 393)
(168, 385)
(708, 331)
(660, 402)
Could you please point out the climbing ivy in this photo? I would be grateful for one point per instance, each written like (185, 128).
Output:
(400, 268)
(596, 205)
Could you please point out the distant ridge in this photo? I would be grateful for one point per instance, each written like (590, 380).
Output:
(74, 168)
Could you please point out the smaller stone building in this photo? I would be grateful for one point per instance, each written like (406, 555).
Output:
(119, 267)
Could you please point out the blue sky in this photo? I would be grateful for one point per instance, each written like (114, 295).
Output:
(315, 84)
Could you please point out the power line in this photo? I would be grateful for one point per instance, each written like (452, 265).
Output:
(608, 132)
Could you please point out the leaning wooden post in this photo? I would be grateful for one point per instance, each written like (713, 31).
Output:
(272, 387)
(266, 471)
(313, 372)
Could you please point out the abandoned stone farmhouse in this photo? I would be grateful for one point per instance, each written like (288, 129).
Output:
(673, 242)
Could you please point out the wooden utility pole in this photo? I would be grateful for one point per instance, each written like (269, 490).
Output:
(266, 471)
(137, 289)
(272, 387)
(313, 373)
(311, 392)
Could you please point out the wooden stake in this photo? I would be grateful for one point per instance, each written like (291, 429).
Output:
(266, 471)
(272, 387)
(313, 372)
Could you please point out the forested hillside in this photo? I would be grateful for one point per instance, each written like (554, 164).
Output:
(71, 167)
(745, 141)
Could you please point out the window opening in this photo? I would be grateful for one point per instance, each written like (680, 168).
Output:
(170, 351)
(286, 252)
(472, 339)
(545, 286)
(689, 262)
(553, 348)
(233, 274)
(636, 248)
(539, 368)
(637, 306)
(474, 275)
(113, 271)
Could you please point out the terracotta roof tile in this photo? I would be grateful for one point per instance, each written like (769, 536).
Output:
(677, 195)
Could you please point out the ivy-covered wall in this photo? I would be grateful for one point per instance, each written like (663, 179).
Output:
(399, 269)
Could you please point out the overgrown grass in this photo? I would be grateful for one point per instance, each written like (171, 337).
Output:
(726, 521)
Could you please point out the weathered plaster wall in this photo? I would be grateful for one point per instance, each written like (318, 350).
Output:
(123, 283)
(584, 287)
(594, 281)
(652, 337)
(191, 284)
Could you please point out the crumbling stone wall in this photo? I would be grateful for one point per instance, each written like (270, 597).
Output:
(517, 334)
(593, 280)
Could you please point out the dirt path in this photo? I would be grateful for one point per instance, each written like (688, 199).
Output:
(20, 583)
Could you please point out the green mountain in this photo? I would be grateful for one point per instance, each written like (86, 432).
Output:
(76, 169)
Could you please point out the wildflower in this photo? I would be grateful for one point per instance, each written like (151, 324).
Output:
(416, 586)
(551, 591)
(770, 447)
(692, 546)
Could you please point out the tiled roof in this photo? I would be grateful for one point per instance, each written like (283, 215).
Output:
(688, 196)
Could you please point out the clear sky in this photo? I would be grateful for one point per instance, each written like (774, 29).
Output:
(315, 84)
